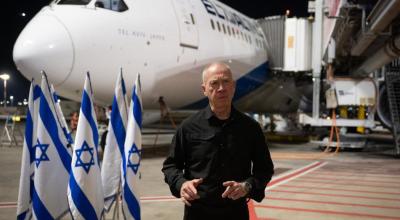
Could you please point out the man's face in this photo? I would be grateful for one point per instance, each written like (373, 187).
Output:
(219, 86)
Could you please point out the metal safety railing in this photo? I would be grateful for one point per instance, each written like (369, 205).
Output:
(11, 134)
(392, 78)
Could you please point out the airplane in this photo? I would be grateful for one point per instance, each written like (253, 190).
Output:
(167, 42)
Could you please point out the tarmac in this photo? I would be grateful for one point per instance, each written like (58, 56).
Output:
(308, 183)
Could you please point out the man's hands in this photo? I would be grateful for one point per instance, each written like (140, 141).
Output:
(189, 191)
(234, 190)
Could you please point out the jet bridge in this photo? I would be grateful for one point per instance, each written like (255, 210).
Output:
(351, 40)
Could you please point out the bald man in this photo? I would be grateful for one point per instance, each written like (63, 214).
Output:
(218, 158)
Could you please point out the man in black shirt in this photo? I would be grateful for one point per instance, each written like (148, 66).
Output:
(218, 158)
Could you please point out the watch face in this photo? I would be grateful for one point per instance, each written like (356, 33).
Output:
(247, 186)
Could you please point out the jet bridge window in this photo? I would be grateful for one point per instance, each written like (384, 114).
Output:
(114, 5)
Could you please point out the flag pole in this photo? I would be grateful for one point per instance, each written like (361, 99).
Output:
(116, 207)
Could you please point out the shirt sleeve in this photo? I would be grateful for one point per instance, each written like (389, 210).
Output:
(174, 164)
(263, 168)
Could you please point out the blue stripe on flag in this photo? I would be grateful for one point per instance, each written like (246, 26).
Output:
(40, 210)
(55, 97)
(37, 92)
(51, 127)
(137, 109)
(87, 111)
(82, 203)
(22, 215)
(118, 128)
(28, 136)
(132, 202)
(67, 135)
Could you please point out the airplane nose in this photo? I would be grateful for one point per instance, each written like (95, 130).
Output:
(44, 44)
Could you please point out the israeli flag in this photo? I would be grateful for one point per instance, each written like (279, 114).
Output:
(62, 121)
(113, 159)
(24, 208)
(133, 155)
(52, 161)
(85, 192)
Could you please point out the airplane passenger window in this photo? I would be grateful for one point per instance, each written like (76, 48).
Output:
(212, 24)
(73, 2)
(219, 27)
(229, 30)
(192, 17)
(114, 5)
(223, 27)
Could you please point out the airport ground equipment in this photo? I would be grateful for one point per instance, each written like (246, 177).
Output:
(345, 36)
(11, 132)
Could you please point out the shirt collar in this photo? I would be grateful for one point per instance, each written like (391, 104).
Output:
(209, 114)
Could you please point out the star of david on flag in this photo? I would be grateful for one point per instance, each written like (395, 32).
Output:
(85, 193)
(132, 153)
(113, 158)
(134, 158)
(85, 153)
(41, 152)
(53, 161)
(24, 207)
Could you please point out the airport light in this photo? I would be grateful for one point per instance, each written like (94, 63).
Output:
(5, 77)
(11, 100)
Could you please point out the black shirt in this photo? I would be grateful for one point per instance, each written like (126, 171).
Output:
(218, 151)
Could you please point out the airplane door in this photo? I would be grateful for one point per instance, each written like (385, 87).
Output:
(188, 32)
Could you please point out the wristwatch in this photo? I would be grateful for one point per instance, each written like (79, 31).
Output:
(246, 186)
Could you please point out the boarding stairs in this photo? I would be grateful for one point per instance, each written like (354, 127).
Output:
(11, 135)
(392, 78)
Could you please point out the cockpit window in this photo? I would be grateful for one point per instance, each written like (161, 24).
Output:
(73, 2)
(114, 5)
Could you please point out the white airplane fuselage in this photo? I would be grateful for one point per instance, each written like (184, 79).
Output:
(168, 42)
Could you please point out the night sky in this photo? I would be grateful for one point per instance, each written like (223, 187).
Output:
(12, 23)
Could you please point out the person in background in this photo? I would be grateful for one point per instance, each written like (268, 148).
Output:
(103, 138)
(73, 123)
(218, 159)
